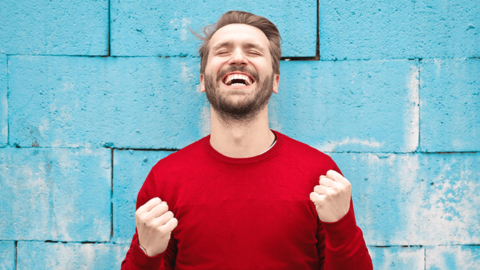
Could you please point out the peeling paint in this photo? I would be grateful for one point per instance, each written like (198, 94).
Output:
(412, 115)
(331, 146)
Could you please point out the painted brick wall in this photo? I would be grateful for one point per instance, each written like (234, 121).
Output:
(93, 93)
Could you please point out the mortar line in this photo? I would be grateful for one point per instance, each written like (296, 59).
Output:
(16, 242)
(109, 30)
(8, 111)
(425, 258)
(326, 152)
(111, 196)
(317, 53)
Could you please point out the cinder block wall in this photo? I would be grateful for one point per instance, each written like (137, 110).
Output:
(94, 93)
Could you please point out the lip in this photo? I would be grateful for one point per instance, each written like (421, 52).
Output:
(241, 73)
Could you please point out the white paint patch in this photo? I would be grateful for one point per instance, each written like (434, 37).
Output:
(44, 126)
(186, 74)
(5, 131)
(68, 86)
(438, 63)
(411, 258)
(412, 115)
(273, 115)
(463, 258)
(205, 119)
(183, 24)
(332, 146)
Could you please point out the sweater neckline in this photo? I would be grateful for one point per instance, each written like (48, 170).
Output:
(270, 153)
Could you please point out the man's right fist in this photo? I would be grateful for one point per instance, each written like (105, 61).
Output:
(154, 225)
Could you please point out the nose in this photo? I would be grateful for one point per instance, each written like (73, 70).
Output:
(237, 58)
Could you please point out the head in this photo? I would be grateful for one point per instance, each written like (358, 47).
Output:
(240, 64)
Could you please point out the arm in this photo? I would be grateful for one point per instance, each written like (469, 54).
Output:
(340, 240)
(153, 233)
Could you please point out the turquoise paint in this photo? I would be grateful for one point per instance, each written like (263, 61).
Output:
(396, 79)
(450, 110)
(149, 28)
(130, 171)
(71, 27)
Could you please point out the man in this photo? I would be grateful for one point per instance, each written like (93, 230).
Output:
(241, 198)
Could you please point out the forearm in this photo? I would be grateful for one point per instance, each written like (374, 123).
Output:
(345, 247)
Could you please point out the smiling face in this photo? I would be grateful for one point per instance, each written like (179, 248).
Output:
(239, 77)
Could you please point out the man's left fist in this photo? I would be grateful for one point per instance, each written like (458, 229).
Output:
(332, 196)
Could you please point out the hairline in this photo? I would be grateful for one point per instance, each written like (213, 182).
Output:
(207, 45)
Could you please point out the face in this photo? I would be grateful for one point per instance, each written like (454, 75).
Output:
(239, 78)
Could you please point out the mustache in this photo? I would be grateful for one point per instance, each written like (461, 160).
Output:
(243, 69)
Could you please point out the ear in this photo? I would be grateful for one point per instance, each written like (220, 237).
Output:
(276, 79)
(202, 83)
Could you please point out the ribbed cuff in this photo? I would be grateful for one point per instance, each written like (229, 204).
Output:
(143, 260)
(343, 230)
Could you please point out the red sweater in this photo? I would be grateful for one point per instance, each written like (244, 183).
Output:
(248, 213)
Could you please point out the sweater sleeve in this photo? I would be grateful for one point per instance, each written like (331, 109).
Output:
(341, 244)
(136, 258)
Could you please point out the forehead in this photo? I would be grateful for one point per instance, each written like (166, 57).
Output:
(239, 34)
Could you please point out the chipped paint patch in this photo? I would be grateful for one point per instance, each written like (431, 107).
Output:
(452, 257)
(332, 146)
(205, 124)
(412, 114)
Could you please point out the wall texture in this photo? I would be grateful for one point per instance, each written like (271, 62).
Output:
(93, 93)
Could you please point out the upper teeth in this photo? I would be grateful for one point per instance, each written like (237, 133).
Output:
(238, 76)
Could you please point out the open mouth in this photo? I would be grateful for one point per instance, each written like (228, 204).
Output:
(238, 79)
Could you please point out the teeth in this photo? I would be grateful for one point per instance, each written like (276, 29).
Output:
(238, 76)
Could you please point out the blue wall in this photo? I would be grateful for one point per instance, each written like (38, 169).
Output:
(94, 93)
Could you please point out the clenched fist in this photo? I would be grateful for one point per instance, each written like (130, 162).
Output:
(154, 225)
(332, 196)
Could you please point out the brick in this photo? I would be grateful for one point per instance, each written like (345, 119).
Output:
(147, 28)
(71, 27)
(3, 101)
(145, 102)
(55, 194)
(7, 253)
(41, 255)
(453, 257)
(349, 105)
(391, 258)
(415, 199)
(450, 105)
(130, 169)
(399, 29)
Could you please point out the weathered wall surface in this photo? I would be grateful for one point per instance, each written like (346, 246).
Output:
(94, 93)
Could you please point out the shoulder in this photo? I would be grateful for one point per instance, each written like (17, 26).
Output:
(306, 153)
(296, 147)
(188, 155)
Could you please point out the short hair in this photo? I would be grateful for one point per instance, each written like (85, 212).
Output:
(242, 17)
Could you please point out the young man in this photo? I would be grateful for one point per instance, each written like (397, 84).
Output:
(245, 197)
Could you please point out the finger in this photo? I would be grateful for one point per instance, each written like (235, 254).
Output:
(158, 210)
(325, 181)
(322, 190)
(171, 224)
(316, 198)
(149, 205)
(336, 176)
(163, 219)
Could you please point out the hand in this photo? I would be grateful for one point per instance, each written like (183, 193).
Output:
(154, 225)
(332, 197)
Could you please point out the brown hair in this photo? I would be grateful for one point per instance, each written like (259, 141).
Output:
(242, 17)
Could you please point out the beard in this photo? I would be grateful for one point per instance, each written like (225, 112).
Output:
(245, 107)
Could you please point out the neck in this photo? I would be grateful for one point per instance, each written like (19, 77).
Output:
(241, 139)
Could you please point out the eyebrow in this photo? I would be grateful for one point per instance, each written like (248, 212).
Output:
(247, 45)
